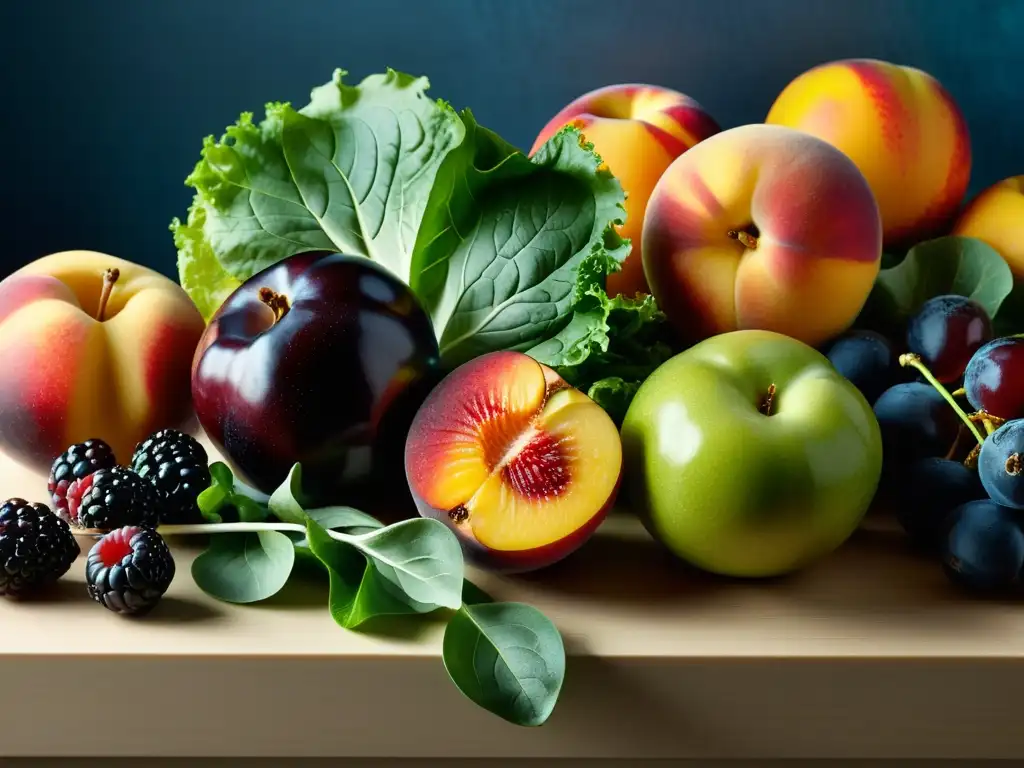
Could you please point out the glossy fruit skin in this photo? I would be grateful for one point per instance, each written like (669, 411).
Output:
(994, 379)
(916, 423)
(867, 360)
(984, 547)
(946, 332)
(333, 384)
(1001, 464)
(924, 495)
(733, 491)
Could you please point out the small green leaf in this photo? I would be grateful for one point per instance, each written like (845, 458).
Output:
(225, 492)
(248, 510)
(284, 502)
(347, 519)
(357, 590)
(421, 557)
(508, 658)
(244, 567)
(963, 266)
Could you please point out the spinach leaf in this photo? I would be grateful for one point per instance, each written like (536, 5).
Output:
(420, 557)
(514, 242)
(357, 590)
(284, 501)
(508, 658)
(244, 567)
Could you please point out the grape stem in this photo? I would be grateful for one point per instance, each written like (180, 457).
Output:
(914, 361)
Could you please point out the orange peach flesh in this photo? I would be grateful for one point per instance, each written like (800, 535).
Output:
(522, 464)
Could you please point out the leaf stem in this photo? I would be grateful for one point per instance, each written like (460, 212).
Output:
(204, 528)
(914, 361)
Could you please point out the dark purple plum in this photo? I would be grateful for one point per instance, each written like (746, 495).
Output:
(994, 380)
(320, 359)
(866, 359)
(946, 332)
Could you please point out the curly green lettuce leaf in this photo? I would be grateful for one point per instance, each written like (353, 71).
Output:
(350, 172)
(199, 272)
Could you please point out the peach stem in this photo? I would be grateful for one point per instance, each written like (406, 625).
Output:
(744, 237)
(277, 302)
(109, 278)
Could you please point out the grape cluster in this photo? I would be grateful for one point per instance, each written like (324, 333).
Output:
(949, 400)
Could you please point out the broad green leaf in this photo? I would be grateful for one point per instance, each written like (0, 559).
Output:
(357, 590)
(285, 502)
(512, 278)
(199, 272)
(421, 557)
(347, 519)
(244, 567)
(225, 494)
(350, 172)
(508, 658)
(962, 266)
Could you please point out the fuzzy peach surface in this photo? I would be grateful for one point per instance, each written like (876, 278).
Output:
(996, 216)
(900, 127)
(68, 377)
(762, 227)
(638, 130)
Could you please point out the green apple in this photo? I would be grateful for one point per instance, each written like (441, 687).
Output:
(750, 455)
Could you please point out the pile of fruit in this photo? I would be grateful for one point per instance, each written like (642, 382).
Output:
(745, 337)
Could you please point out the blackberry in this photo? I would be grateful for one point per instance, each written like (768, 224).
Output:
(178, 467)
(78, 461)
(128, 570)
(36, 547)
(113, 498)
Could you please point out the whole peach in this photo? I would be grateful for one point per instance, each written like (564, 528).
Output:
(637, 130)
(996, 216)
(900, 127)
(762, 227)
(93, 347)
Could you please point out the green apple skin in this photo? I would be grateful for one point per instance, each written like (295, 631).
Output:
(734, 491)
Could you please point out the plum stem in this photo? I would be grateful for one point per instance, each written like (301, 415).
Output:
(959, 392)
(110, 277)
(277, 302)
(744, 237)
(914, 361)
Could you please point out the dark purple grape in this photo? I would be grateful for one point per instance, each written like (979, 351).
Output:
(994, 380)
(924, 495)
(984, 546)
(866, 359)
(946, 332)
(1001, 464)
(916, 423)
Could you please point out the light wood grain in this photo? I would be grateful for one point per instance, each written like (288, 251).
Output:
(869, 654)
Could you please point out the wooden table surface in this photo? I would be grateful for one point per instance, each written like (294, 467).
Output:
(869, 654)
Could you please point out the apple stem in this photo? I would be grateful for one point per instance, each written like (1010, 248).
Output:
(109, 278)
(914, 361)
(769, 401)
(744, 237)
(277, 302)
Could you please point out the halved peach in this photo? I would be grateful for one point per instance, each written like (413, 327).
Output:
(519, 464)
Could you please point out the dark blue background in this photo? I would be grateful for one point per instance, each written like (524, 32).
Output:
(105, 102)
